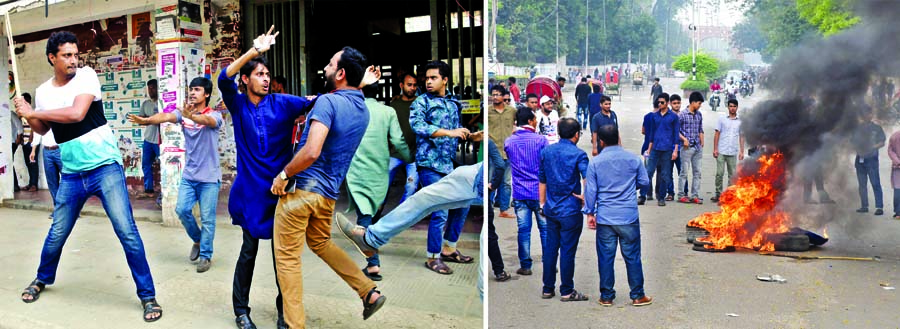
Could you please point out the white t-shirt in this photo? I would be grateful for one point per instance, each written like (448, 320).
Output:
(83, 145)
(729, 135)
(547, 125)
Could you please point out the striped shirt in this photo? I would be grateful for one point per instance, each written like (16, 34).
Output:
(524, 151)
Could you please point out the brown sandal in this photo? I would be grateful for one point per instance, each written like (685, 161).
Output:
(457, 257)
(438, 266)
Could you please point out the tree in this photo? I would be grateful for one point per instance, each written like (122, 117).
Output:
(706, 64)
(746, 36)
(829, 16)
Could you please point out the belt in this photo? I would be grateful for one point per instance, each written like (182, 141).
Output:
(51, 147)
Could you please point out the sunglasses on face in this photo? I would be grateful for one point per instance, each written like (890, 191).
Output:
(661, 102)
(506, 100)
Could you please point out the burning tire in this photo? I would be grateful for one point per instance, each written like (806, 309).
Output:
(701, 246)
(692, 233)
(790, 241)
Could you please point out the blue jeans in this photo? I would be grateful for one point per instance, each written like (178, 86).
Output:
(52, 170)
(629, 237)
(663, 159)
(107, 182)
(671, 187)
(525, 209)
(366, 221)
(455, 192)
(190, 192)
(149, 153)
(504, 193)
(866, 172)
(583, 115)
(439, 219)
(412, 177)
(562, 242)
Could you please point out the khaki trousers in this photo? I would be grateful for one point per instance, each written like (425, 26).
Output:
(306, 216)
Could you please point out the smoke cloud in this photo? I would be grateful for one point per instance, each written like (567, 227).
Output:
(819, 91)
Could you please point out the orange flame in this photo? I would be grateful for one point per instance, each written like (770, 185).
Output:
(748, 213)
(825, 232)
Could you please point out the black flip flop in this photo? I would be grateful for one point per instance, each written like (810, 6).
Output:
(372, 276)
(371, 308)
(34, 293)
(151, 306)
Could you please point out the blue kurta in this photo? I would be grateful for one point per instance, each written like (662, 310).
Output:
(263, 137)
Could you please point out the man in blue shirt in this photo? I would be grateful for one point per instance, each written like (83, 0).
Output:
(434, 118)
(663, 147)
(610, 207)
(524, 151)
(594, 101)
(606, 116)
(562, 171)
(334, 128)
(263, 126)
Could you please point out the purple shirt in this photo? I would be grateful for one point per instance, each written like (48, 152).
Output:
(524, 151)
(691, 126)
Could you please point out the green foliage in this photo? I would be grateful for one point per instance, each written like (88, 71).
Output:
(699, 84)
(747, 36)
(526, 30)
(829, 16)
(706, 64)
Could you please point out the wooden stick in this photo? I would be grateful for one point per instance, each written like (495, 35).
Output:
(874, 258)
(12, 55)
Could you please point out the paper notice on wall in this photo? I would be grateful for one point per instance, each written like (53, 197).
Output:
(165, 28)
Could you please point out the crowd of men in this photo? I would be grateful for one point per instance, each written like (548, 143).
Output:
(285, 191)
(556, 185)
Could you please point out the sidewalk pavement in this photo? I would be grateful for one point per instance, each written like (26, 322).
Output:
(94, 288)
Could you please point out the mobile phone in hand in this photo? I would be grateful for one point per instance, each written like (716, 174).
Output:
(291, 186)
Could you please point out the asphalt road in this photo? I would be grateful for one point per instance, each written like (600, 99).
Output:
(699, 290)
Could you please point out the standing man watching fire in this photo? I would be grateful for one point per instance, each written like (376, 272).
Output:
(868, 138)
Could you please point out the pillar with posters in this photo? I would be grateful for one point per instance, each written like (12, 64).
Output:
(180, 58)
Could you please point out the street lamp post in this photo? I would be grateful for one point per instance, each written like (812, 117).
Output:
(693, 28)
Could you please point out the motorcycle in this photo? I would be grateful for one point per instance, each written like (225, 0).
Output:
(745, 89)
(715, 100)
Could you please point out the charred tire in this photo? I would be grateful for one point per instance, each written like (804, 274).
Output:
(814, 239)
(693, 233)
(790, 241)
(700, 247)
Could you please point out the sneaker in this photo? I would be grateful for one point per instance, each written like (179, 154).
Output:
(879, 211)
(203, 265)
(661, 202)
(684, 199)
(715, 198)
(355, 233)
(862, 210)
(195, 252)
(697, 200)
(607, 303)
(643, 301)
(523, 271)
(641, 200)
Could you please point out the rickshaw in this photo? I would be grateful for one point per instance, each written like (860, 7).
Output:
(544, 85)
(637, 80)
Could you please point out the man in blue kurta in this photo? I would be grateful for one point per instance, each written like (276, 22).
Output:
(263, 125)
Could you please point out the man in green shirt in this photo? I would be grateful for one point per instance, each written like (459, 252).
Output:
(401, 104)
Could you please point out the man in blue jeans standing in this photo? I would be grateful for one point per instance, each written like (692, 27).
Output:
(524, 151)
(435, 119)
(562, 172)
(70, 104)
(663, 137)
(611, 208)
(582, 91)
(150, 150)
(868, 138)
(200, 179)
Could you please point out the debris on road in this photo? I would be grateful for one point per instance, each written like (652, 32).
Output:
(771, 278)
(733, 315)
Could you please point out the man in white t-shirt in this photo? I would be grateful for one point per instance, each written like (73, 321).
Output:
(548, 119)
(728, 146)
(70, 105)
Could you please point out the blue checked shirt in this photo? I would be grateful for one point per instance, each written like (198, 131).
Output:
(428, 113)
(691, 126)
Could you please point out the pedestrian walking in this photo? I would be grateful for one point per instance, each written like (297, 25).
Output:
(894, 154)
(563, 168)
(612, 210)
(606, 116)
